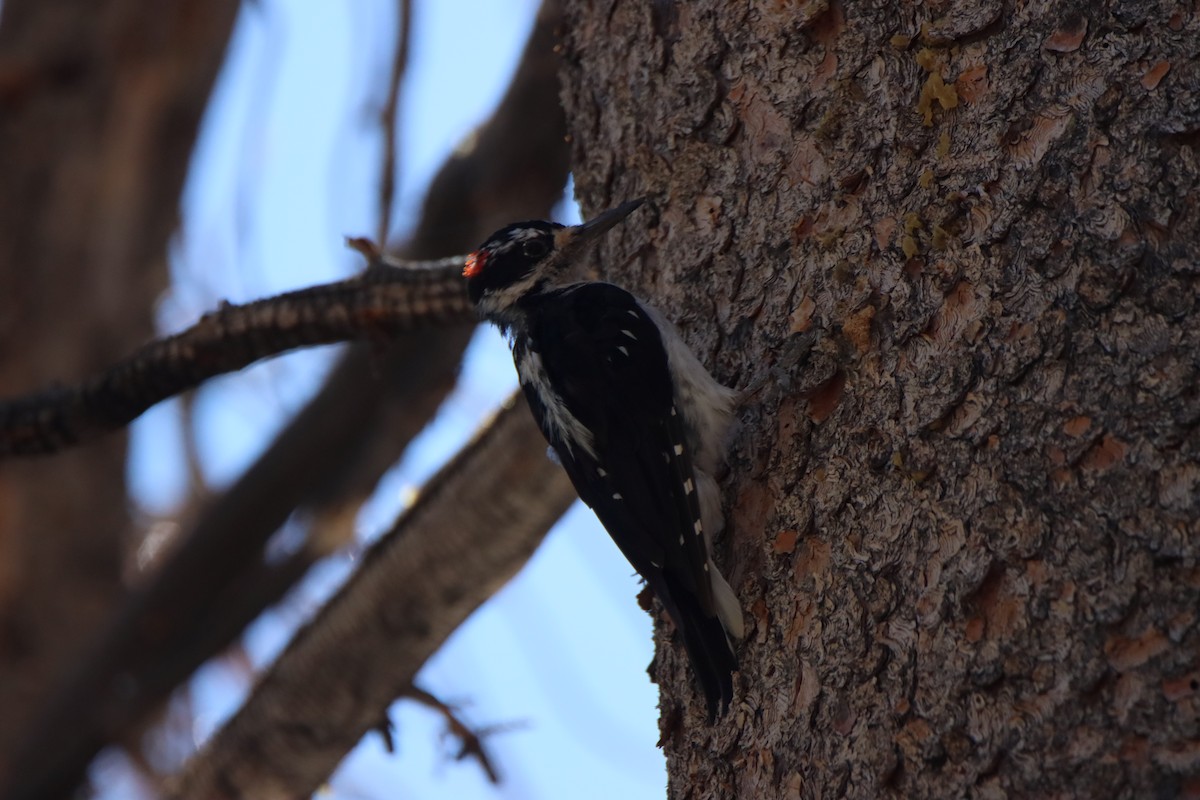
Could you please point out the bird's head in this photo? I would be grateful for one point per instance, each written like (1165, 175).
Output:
(525, 257)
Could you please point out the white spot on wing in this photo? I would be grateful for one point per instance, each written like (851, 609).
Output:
(688, 486)
(698, 527)
(681, 540)
(678, 449)
(600, 471)
(617, 496)
(632, 313)
(629, 334)
(623, 350)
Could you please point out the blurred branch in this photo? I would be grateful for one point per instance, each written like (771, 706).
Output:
(387, 180)
(380, 302)
(442, 560)
(470, 741)
(332, 452)
(100, 105)
(513, 167)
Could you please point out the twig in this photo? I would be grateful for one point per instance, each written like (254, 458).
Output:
(387, 178)
(380, 302)
(471, 741)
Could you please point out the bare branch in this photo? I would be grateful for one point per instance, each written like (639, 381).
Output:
(382, 301)
(363, 650)
(387, 180)
(471, 741)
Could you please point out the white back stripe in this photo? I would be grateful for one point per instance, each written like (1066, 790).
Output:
(561, 423)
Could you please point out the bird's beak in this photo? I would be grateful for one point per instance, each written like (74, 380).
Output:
(580, 237)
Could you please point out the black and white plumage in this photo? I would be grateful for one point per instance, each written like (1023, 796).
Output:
(636, 420)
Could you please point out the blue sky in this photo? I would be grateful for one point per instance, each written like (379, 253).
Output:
(287, 165)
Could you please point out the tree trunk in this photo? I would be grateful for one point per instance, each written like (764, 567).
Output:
(960, 240)
(99, 107)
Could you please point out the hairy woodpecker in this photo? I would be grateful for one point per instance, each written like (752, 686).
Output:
(635, 419)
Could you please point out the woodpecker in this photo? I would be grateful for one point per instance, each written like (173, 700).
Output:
(636, 421)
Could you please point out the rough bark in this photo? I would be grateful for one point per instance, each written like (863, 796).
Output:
(961, 241)
(99, 107)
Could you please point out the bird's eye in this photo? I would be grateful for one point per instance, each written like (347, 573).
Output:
(535, 248)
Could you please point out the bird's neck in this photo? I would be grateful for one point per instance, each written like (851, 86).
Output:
(513, 321)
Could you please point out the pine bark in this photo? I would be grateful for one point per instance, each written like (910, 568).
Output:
(961, 243)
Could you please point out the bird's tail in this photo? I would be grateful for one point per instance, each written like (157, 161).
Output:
(708, 647)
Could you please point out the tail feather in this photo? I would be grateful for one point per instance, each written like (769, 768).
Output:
(729, 608)
(708, 647)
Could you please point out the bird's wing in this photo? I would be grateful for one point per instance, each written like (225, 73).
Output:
(605, 358)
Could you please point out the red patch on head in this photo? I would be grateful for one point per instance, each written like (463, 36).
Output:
(475, 263)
